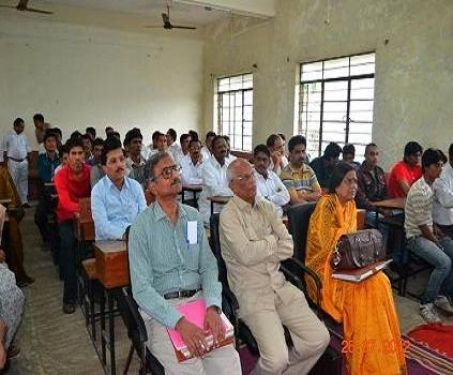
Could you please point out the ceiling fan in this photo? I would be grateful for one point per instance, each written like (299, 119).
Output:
(23, 6)
(168, 25)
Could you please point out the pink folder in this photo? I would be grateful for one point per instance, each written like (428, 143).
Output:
(195, 312)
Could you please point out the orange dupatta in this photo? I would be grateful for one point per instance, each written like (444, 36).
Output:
(372, 343)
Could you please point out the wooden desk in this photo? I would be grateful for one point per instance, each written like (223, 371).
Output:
(112, 271)
(194, 188)
(218, 199)
(394, 203)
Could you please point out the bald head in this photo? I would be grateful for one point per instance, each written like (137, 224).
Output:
(241, 180)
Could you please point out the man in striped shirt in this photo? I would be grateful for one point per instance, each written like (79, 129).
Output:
(427, 241)
(171, 264)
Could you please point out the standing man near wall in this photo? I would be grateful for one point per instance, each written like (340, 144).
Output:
(16, 151)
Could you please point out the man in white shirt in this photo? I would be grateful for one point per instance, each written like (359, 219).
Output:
(207, 148)
(214, 178)
(16, 151)
(147, 151)
(191, 166)
(276, 146)
(268, 184)
(443, 197)
(184, 141)
(173, 147)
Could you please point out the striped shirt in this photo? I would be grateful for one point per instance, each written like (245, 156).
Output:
(419, 207)
(162, 261)
(301, 179)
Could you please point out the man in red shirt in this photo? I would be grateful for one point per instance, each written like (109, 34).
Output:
(405, 172)
(72, 183)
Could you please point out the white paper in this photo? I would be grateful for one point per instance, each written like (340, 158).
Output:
(192, 233)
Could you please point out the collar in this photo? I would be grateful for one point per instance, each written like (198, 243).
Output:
(110, 183)
(160, 214)
(217, 164)
(259, 175)
(242, 204)
(293, 170)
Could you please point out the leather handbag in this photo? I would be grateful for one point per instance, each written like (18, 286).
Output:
(358, 250)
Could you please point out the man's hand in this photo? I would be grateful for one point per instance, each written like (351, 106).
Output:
(385, 212)
(2, 256)
(193, 337)
(214, 322)
(276, 158)
(3, 355)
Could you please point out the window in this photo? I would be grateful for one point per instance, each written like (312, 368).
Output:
(235, 110)
(336, 102)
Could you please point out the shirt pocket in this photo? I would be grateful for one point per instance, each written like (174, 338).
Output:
(191, 256)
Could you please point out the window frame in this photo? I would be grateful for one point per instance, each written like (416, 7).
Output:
(349, 79)
(219, 110)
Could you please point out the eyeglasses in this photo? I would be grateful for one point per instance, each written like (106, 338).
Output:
(244, 178)
(167, 172)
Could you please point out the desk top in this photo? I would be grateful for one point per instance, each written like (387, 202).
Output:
(219, 199)
(193, 187)
(397, 203)
(110, 246)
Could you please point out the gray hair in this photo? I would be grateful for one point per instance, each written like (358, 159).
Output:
(231, 170)
(153, 161)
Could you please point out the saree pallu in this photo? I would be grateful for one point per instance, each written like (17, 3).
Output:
(372, 342)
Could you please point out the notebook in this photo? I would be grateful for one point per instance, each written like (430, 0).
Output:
(195, 312)
(357, 276)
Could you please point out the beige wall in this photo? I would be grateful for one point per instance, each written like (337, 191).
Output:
(78, 74)
(413, 71)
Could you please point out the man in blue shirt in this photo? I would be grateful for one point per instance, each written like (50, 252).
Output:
(171, 264)
(47, 163)
(115, 200)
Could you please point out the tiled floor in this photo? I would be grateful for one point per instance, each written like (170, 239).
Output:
(54, 343)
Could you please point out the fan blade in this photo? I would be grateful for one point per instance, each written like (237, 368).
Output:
(37, 11)
(184, 27)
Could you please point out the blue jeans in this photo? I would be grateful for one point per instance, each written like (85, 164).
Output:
(67, 261)
(440, 257)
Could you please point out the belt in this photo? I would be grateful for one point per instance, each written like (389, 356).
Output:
(16, 160)
(181, 294)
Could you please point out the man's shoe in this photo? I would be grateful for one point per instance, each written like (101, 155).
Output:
(69, 308)
(429, 314)
(444, 304)
(25, 281)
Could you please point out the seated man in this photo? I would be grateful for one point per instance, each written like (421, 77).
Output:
(325, 164)
(214, 177)
(97, 172)
(72, 183)
(135, 163)
(268, 184)
(405, 172)
(206, 150)
(299, 178)
(349, 154)
(276, 145)
(170, 265)
(11, 308)
(147, 151)
(254, 241)
(443, 197)
(88, 148)
(116, 200)
(63, 154)
(427, 241)
(185, 140)
(48, 162)
(191, 168)
(173, 147)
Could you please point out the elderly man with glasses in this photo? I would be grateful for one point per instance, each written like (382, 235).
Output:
(254, 241)
(171, 264)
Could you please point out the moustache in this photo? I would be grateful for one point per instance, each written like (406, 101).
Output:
(176, 181)
(120, 170)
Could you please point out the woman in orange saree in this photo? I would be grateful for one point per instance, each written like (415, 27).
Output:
(372, 343)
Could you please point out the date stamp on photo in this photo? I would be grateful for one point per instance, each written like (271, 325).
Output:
(372, 345)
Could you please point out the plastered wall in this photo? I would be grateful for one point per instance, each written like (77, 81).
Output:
(413, 41)
(79, 74)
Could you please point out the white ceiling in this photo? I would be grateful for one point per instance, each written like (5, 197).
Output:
(179, 12)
